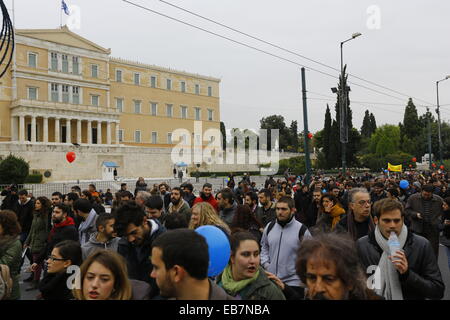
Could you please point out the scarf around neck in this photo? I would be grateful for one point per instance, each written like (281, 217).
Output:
(231, 286)
(336, 213)
(390, 281)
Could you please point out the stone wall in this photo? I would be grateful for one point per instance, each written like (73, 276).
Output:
(133, 161)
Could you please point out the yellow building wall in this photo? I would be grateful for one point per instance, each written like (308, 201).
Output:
(6, 94)
(24, 84)
(22, 58)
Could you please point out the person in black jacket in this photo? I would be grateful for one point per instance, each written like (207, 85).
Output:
(412, 273)
(188, 196)
(445, 226)
(138, 234)
(302, 198)
(11, 198)
(24, 209)
(63, 229)
(54, 284)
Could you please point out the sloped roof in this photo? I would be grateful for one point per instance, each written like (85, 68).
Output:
(62, 36)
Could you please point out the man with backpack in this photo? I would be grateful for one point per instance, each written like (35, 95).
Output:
(280, 243)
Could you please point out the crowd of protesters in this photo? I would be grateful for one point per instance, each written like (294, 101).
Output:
(289, 240)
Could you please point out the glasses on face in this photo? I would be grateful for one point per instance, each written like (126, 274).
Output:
(52, 258)
(364, 202)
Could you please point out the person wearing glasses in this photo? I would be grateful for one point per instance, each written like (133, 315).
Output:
(358, 222)
(54, 286)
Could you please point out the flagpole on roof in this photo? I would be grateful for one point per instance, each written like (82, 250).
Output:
(60, 16)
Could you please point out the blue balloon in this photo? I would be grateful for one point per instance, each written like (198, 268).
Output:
(324, 191)
(404, 184)
(386, 171)
(218, 248)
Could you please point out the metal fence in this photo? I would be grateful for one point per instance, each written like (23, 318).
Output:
(47, 189)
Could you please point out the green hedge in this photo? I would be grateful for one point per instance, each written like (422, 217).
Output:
(34, 178)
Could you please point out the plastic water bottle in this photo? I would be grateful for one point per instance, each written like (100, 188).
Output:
(393, 243)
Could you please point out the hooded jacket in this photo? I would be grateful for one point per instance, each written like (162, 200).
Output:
(93, 244)
(227, 214)
(423, 279)
(184, 209)
(279, 250)
(87, 227)
(11, 255)
(260, 289)
(38, 232)
(138, 257)
(211, 200)
(65, 230)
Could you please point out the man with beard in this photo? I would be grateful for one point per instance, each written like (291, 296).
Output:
(358, 222)
(137, 235)
(63, 229)
(412, 272)
(378, 192)
(178, 204)
(206, 196)
(180, 262)
(103, 238)
(165, 194)
(87, 215)
(313, 208)
(188, 196)
(329, 266)
(280, 243)
(154, 209)
(265, 213)
(251, 199)
(424, 211)
(227, 206)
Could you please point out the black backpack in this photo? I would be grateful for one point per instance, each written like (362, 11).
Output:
(301, 232)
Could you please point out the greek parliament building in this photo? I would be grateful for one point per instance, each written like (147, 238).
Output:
(64, 93)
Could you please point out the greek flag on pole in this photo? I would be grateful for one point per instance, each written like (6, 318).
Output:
(64, 7)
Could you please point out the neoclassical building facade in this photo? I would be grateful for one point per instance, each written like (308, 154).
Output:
(65, 91)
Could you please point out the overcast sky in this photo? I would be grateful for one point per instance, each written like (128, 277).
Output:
(408, 53)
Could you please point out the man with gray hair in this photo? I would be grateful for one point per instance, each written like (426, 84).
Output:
(358, 222)
(141, 197)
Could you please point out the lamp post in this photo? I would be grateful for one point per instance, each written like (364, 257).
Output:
(343, 106)
(439, 118)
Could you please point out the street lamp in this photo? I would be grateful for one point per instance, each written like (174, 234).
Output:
(343, 105)
(439, 117)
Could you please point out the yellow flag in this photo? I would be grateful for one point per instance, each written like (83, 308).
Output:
(394, 168)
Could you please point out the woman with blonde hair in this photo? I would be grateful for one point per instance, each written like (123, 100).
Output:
(104, 276)
(204, 214)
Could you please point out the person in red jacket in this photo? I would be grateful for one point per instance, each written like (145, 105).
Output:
(206, 196)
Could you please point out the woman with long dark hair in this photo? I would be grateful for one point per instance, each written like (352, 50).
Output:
(245, 220)
(11, 248)
(244, 277)
(331, 212)
(37, 237)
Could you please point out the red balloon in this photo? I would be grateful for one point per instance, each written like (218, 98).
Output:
(414, 159)
(70, 156)
(410, 165)
(442, 167)
(434, 165)
(310, 135)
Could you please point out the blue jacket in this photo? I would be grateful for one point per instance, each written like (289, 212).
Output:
(279, 251)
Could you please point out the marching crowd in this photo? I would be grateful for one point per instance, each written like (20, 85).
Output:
(332, 238)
